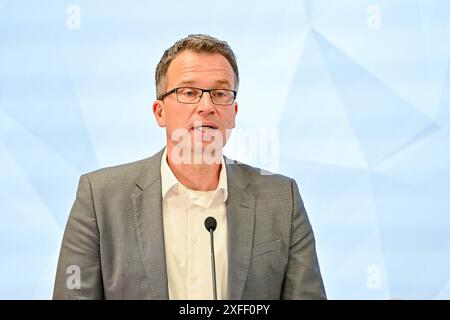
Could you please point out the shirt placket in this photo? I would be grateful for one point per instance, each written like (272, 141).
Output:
(193, 276)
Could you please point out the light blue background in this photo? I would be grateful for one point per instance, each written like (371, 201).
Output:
(362, 116)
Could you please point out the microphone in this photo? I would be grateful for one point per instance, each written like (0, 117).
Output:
(211, 224)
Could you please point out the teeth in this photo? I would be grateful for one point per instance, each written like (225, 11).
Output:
(204, 128)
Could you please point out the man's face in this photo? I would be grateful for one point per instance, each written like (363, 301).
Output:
(200, 70)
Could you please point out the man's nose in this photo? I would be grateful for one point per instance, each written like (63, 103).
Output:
(205, 104)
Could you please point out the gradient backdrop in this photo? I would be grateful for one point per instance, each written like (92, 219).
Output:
(351, 98)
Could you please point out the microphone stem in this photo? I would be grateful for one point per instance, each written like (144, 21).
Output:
(213, 264)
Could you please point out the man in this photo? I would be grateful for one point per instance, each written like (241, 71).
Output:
(136, 231)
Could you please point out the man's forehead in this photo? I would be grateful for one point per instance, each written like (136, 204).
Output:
(190, 68)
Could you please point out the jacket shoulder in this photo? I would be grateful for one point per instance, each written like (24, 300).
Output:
(126, 170)
(141, 173)
(261, 178)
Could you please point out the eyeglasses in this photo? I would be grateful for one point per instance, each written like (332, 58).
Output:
(191, 95)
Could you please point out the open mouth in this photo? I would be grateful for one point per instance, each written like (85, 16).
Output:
(204, 127)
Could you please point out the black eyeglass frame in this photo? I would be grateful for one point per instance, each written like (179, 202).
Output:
(174, 90)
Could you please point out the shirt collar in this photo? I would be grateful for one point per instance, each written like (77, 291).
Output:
(169, 181)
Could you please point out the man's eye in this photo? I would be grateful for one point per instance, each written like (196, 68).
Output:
(220, 94)
(188, 93)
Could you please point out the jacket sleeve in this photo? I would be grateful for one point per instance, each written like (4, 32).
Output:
(78, 274)
(302, 279)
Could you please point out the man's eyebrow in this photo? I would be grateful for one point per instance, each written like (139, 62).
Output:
(224, 81)
(186, 82)
(194, 83)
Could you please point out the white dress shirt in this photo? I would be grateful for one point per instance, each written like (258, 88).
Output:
(187, 242)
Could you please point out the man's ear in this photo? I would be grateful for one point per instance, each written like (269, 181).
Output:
(235, 113)
(158, 111)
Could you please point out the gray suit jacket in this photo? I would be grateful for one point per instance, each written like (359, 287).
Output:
(113, 245)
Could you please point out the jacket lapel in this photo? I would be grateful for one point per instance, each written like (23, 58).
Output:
(148, 224)
(240, 207)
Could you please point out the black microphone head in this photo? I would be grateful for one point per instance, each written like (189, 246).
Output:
(210, 223)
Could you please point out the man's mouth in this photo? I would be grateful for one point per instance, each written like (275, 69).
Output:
(204, 127)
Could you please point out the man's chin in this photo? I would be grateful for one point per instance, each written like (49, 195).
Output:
(206, 135)
(197, 158)
(197, 146)
(198, 153)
